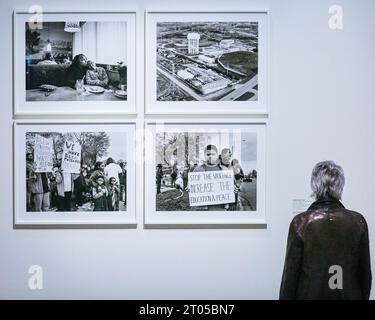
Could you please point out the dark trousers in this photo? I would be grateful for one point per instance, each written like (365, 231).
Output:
(68, 198)
(158, 185)
(64, 202)
(123, 193)
(54, 200)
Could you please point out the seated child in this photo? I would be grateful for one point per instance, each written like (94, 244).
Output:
(96, 75)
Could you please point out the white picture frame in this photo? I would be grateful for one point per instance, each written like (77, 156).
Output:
(258, 106)
(27, 102)
(125, 217)
(154, 218)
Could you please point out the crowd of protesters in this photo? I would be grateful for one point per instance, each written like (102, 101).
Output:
(101, 187)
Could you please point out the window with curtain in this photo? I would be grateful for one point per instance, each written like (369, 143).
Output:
(102, 42)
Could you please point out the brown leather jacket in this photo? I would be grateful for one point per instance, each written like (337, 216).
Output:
(327, 234)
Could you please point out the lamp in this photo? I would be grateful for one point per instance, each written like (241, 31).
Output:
(72, 26)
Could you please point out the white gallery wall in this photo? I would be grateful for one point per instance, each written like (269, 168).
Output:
(322, 106)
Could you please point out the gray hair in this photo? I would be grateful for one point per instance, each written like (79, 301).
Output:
(327, 180)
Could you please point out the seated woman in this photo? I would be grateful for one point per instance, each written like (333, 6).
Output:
(96, 75)
(77, 70)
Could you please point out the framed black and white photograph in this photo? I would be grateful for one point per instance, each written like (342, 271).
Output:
(199, 62)
(74, 63)
(205, 174)
(74, 173)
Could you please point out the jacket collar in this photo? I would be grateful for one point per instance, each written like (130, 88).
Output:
(326, 202)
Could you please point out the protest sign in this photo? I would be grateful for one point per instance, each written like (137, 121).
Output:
(211, 187)
(71, 157)
(43, 154)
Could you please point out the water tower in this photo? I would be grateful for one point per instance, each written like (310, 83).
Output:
(193, 43)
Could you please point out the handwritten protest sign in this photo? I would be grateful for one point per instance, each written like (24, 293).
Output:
(211, 187)
(43, 154)
(71, 157)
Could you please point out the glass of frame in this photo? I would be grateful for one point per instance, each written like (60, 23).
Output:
(201, 62)
(74, 173)
(205, 174)
(74, 63)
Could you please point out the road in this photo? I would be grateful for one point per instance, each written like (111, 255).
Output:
(248, 195)
(246, 87)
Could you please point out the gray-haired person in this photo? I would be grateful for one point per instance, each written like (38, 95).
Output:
(327, 254)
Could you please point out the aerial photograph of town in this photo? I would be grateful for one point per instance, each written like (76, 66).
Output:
(207, 61)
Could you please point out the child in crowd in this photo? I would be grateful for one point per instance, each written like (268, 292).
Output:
(179, 183)
(99, 194)
(113, 197)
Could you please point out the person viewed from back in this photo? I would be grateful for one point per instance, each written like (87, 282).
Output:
(174, 175)
(112, 169)
(327, 254)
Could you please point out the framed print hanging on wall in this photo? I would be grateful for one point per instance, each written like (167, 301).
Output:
(202, 62)
(72, 173)
(74, 63)
(205, 173)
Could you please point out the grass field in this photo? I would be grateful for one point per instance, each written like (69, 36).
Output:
(246, 96)
(241, 61)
